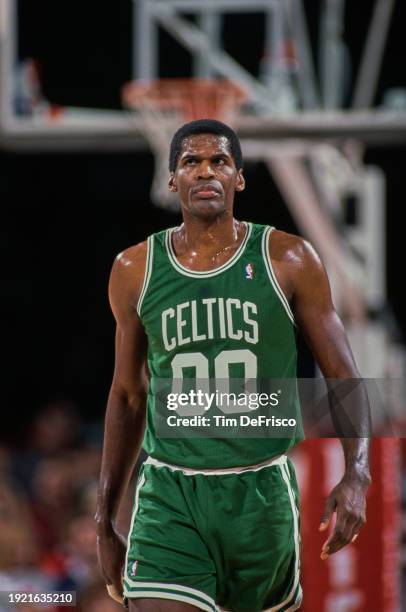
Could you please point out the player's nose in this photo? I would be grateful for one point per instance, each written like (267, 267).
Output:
(206, 170)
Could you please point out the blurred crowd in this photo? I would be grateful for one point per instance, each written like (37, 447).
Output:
(48, 489)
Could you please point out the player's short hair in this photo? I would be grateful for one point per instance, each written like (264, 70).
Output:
(204, 126)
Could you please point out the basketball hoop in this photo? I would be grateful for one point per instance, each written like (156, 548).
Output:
(161, 106)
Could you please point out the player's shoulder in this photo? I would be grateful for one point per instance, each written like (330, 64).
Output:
(129, 266)
(288, 247)
(126, 278)
(295, 255)
(133, 256)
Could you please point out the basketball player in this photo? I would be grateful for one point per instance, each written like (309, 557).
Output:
(215, 521)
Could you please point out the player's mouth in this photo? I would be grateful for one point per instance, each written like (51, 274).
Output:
(207, 195)
(206, 192)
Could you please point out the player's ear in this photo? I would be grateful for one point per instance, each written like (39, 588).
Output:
(172, 183)
(240, 183)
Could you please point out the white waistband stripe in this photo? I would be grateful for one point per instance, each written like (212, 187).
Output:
(279, 460)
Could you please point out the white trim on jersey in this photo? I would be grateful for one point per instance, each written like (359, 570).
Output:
(279, 460)
(147, 273)
(205, 273)
(272, 275)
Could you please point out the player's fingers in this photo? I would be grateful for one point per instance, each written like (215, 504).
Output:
(350, 528)
(334, 543)
(114, 594)
(337, 538)
(356, 528)
(345, 532)
(328, 513)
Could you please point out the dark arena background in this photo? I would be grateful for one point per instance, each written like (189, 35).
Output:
(326, 105)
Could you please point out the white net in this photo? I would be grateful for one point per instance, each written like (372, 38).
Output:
(162, 106)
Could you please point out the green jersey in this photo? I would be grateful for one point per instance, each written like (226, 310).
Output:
(232, 321)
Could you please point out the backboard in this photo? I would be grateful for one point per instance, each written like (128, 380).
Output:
(288, 100)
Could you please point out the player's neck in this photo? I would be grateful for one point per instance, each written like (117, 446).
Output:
(219, 233)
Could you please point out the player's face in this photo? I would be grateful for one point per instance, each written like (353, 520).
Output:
(206, 177)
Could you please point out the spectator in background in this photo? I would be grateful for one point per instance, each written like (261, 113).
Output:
(79, 554)
(55, 429)
(54, 499)
(20, 555)
(47, 503)
(85, 462)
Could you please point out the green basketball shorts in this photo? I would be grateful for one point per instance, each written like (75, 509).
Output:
(219, 540)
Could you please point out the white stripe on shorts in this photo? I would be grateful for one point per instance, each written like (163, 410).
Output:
(135, 510)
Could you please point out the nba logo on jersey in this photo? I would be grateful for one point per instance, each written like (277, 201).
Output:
(134, 568)
(249, 271)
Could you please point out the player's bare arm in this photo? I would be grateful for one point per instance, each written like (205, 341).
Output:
(303, 278)
(125, 416)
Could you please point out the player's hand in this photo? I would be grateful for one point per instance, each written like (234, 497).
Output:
(348, 501)
(111, 549)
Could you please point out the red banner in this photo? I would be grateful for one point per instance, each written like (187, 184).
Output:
(364, 576)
